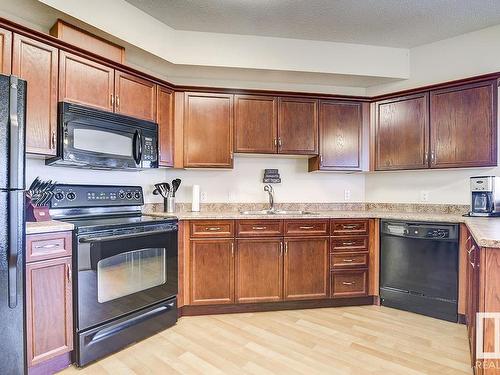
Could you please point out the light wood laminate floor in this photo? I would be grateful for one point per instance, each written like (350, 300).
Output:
(348, 340)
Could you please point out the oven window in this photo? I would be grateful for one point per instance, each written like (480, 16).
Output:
(102, 142)
(130, 272)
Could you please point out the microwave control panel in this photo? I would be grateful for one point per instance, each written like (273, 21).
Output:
(72, 196)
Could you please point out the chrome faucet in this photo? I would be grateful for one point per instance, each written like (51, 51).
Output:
(269, 189)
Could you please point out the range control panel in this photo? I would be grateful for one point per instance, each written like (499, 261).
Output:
(72, 196)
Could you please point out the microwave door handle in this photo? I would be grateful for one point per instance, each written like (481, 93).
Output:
(137, 147)
(140, 149)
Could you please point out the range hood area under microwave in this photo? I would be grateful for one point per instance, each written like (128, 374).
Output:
(91, 138)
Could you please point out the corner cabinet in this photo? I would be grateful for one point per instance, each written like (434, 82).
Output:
(49, 314)
(208, 130)
(464, 126)
(402, 133)
(36, 63)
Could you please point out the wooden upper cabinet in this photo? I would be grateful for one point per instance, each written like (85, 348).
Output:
(340, 126)
(36, 63)
(212, 271)
(5, 51)
(135, 96)
(85, 82)
(306, 268)
(256, 124)
(464, 126)
(49, 315)
(402, 132)
(165, 119)
(208, 130)
(259, 270)
(298, 126)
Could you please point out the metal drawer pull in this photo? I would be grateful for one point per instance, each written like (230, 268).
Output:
(259, 228)
(308, 227)
(348, 243)
(212, 229)
(47, 246)
(68, 272)
(347, 260)
(349, 226)
(347, 283)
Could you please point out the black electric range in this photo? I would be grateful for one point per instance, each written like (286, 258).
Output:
(125, 267)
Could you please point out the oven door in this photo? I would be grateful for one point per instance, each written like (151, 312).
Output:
(117, 275)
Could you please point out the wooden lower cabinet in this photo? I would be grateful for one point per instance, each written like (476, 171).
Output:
(349, 283)
(306, 268)
(49, 315)
(259, 270)
(212, 271)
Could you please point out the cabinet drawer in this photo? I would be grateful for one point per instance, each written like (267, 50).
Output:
(348, 227)
(306, 227)
(259, 228)
(347, 260)
(212, 228)
(48, 246)
(350, 243)
(349, 283)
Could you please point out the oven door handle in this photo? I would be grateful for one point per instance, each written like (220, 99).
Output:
(122, 236)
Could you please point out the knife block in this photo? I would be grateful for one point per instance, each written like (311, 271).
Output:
(36, 214)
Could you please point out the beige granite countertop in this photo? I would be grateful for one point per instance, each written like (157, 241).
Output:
(48, 226)
(486, 231)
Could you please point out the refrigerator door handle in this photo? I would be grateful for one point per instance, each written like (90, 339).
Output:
(16, 180)
(14, 244)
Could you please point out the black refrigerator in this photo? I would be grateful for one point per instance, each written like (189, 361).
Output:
(12, 227)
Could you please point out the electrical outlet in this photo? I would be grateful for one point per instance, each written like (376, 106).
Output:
(204, 196)
(424, 196)
(347, 195)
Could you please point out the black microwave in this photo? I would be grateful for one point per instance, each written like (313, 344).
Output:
(91, 138)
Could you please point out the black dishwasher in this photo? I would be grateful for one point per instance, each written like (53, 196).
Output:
(419, 268)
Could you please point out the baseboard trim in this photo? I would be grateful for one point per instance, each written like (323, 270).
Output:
(51, 366)
(189, 310)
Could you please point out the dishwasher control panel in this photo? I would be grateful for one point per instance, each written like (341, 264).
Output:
(420, 230)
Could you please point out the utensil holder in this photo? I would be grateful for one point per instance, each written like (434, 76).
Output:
(169, 204)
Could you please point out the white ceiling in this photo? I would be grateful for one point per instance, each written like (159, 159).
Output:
(395, 23)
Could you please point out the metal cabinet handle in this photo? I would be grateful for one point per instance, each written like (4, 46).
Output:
(281, 249)
(259, 228)
(348, 260)
(275, 142)
(348, 243)
(348, 283)
(286, 247)
(213, 229)
(426, 157)
(307, 227)
(279, 142)
(232, 249)
(112, 100)
(349, 226)
(47, 246)
(321, 159)
(68, 272)
(433, 157)
(117, 101)
(53, 140)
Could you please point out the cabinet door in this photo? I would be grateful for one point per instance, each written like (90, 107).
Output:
(36, 63)
(340, 125)
(165, 118)
(135, 96)
(212, 271)
(298, 126)
(85, 82)
(5, 51)
(306, 268)
(208, 130)
(259, 270)
(49, 316)
(256, 124)
(464, 126)
(402, 129)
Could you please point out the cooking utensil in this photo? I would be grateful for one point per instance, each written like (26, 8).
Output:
(175, 185)
(163, 189)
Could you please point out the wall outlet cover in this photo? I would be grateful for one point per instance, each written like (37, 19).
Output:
(204, 196)
(424, 196)
(347, 195)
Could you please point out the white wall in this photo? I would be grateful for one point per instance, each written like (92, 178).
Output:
(241, 184)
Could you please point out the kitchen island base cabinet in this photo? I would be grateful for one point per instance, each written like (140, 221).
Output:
(259, 270)
(212, 271)
(306, 268)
